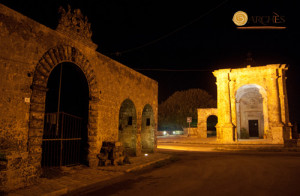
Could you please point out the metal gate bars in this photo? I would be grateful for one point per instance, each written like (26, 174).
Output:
(61, 140)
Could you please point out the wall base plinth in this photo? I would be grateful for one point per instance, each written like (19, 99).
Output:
(226, 132)
(278, 133)
(202, 132)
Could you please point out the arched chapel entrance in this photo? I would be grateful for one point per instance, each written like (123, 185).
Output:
(253, 103)
(251, 110)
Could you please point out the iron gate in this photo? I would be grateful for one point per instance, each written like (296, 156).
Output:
(61, 140)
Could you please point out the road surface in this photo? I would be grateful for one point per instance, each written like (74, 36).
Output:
(211, 173)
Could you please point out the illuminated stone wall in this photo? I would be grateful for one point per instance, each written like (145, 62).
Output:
(128, 126)
(253, 93)
(29, 52)
(148, 129)
(203, 114)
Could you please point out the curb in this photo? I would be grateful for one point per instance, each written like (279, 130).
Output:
(259, 149)
(62, 191)
(147, 164)
(135, 168)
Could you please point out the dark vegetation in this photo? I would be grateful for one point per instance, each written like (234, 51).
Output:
(173, 112)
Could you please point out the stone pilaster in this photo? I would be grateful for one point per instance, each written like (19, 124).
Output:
(224, 127)
(138, 134)
(283, 97)
(202, 129)
(94, 137)
(275, 125)
(233, 108)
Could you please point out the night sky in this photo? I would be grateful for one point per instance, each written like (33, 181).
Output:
(183, 35)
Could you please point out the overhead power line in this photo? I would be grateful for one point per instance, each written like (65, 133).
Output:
(175, 70)
(171, 33)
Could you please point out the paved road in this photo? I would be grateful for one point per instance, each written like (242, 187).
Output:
(211, 173)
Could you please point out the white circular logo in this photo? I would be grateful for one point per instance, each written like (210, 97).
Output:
(240, 18)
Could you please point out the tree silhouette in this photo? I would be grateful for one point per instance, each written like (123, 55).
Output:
(173, 112)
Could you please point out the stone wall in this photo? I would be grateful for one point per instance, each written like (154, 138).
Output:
(148, 129)
(29, 52)
(203, 114)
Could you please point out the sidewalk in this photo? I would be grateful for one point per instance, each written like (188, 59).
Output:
(77, 177)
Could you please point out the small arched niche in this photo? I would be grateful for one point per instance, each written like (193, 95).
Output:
(128, 126)
(148, 127)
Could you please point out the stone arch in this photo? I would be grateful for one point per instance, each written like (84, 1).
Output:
(127, 133)
(251, 107)
(148, 129)
(203, 114)
(53, 57)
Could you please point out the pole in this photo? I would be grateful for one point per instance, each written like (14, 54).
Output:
(57, 116)
(189, 128)
(58, 101)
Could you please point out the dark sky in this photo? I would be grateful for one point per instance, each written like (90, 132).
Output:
(183, 35)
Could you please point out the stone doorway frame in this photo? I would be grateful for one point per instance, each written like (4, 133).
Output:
(262, 118)
(50, 59)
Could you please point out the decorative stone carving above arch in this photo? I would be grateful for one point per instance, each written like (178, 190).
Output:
(75, 25)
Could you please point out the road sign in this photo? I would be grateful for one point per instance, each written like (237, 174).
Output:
(189, 119)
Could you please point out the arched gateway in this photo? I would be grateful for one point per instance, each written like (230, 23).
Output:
(73, 123)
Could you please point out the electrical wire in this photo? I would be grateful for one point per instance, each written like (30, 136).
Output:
(175, 70)
(171, 33)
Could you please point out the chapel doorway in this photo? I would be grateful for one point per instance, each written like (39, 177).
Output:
(253, 128)
(251, 110)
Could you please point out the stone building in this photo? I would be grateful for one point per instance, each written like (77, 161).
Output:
(60, 98)
(252, 104)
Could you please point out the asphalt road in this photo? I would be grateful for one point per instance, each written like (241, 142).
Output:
(211, 173)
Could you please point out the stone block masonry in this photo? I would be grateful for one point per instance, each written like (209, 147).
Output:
(253, 103)
(29, 53)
